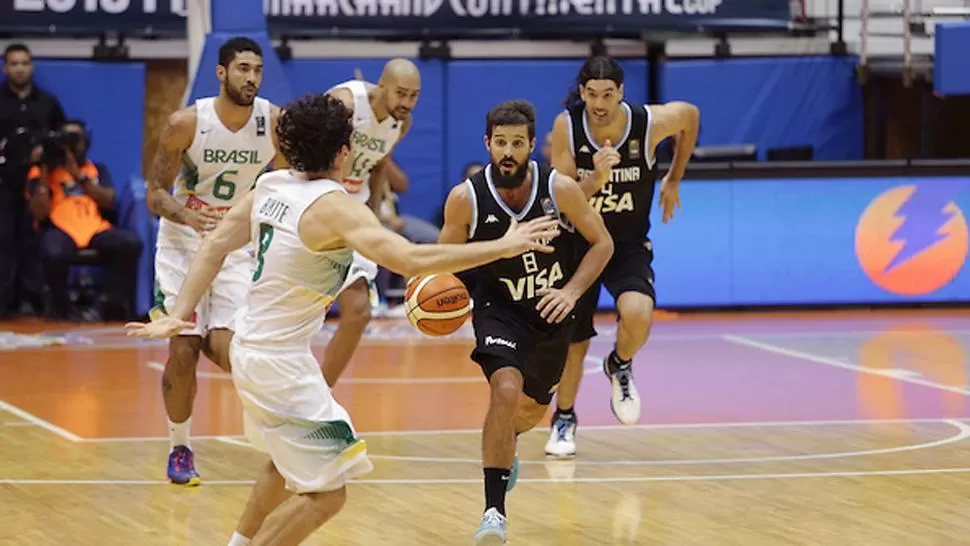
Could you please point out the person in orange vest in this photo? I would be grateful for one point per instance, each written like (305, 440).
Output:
(69, 197)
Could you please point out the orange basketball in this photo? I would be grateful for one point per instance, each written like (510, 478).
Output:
(437, 305)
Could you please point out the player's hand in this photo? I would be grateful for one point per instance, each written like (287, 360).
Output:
(604, 160)
(669, 197)
(555, 305)
(163, 328)
(533, 235)
(203, 220)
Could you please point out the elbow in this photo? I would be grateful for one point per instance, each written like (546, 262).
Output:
(692, 115)
(606, 244)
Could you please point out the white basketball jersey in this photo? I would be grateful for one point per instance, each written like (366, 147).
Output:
(371, 142)
(292, 286)
(220, 167)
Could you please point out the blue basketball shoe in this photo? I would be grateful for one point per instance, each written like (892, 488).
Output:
(181, 467)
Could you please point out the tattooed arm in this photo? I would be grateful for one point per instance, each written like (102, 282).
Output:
(176, 137)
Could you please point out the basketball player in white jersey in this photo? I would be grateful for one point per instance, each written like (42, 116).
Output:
(382, 116)
(306, 229)
(222, 144)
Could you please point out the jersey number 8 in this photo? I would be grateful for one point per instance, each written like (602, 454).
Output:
(265, 238)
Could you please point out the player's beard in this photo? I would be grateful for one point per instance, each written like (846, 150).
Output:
(235, 94)
(512, 180)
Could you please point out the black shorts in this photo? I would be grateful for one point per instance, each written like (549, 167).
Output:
(629, 270)
(503, 337)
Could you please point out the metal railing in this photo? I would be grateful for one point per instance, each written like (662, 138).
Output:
(910, 19)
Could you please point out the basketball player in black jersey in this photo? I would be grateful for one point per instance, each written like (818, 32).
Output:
(607, 144)
(523, 314)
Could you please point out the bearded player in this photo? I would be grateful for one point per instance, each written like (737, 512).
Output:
(211, 153)
(382, 116)
(619, 181)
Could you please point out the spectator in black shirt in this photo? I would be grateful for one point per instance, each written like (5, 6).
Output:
(27, 113)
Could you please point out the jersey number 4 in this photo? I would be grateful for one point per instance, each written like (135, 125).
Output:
(265, 238)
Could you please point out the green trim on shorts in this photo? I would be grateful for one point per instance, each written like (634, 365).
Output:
(333, 430)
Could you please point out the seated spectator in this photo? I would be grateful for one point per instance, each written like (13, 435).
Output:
(69, 199)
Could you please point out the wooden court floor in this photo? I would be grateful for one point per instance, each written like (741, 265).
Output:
(801, 428)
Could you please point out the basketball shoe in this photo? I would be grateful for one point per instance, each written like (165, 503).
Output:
(181, 467)
(562, 438)
(625, 400)
(491, 532)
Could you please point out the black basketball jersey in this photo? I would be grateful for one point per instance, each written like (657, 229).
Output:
(515, 281)
(625, 201)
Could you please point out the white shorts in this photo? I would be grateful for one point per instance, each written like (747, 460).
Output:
(289, 413)
(219, 304)
(361, 268)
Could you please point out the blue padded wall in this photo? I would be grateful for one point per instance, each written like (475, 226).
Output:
(110, 97)
(774, 102)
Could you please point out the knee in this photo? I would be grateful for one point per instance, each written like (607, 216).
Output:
(183, 355)
(637, 312)
(327, 504)
(506, 386)
(356, 311)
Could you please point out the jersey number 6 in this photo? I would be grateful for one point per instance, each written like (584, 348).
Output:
(225, 189)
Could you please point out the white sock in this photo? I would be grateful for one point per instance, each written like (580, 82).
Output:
(178, 434)
(238, 540)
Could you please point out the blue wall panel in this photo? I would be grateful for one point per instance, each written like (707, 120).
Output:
(110, 97)
(951, 65)
(774, 102)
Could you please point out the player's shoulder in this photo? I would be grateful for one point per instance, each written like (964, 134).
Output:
(344, 94)
(181, 125)
(564, 185)
(461, 195)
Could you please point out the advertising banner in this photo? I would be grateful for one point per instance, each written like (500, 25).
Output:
(813, 241)
(408, 17)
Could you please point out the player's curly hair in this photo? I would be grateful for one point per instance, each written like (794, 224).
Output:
(600, 67)
(312, 130)
(513, 112)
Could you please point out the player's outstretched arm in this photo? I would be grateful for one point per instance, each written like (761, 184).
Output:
(574, 205)
(339, 216)
(231, 234)
(176, 137)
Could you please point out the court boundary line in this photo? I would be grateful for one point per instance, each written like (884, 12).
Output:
(827, 361)
(644, 426)
(222, 376)
(963, 432)
(524, 480)
(31, 418)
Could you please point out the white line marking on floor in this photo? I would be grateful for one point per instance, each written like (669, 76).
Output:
(818, 359)
(523, 480)
(30, 417)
